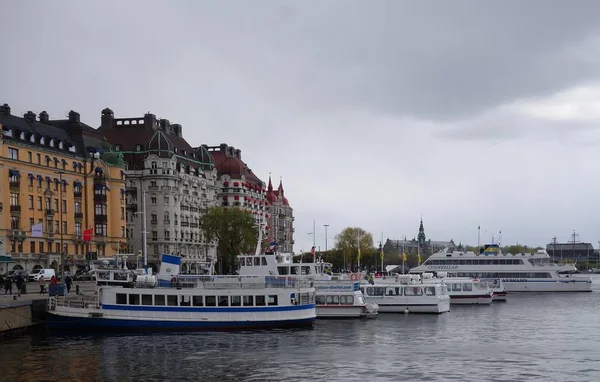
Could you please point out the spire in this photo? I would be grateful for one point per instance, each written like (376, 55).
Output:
(270, 188)
(421, 237)
(280, 188)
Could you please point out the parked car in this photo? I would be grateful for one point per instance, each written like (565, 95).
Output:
(47, 273)
(83, 276)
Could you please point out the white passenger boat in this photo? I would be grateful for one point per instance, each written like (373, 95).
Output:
(408, 295)
(337, 296)
(462, 290)
(525, 272)
(207, 303)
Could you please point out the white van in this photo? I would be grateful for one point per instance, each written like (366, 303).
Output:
(47, 273)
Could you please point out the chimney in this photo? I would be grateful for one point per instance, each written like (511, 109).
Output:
(223, 148)
(107, 119)
(73, 116)
(44, 118)
(178, 130)
(5, 109)
(150, 121)
(165, 125)
(238, 153)
(30, 116)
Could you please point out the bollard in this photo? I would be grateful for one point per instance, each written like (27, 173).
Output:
(77, 289)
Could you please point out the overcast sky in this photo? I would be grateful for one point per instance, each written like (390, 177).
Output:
(374, 112)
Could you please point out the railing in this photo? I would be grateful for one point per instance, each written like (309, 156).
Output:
(90, 303)
(236, 282)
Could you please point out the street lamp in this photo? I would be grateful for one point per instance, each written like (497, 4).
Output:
(144, 231)
(325, 225)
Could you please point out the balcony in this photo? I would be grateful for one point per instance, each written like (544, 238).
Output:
(16, 209)
(99, 177)
(194, 225)
(152, 188)
(16, 184)
(49, 212)
(153, 222)
(77, 194)
(99, 198)
(132, 206)
(165, 188)
(100, 218)
(282, 216)
(77, 238)
(78, 215)
(185, 224)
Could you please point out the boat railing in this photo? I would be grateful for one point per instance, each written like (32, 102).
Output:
(239, 282)
(62, 301)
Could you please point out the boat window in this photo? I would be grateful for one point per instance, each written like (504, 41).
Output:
(336, 300)
(467, 287)
(159, 299)
(172, 300)
(248, 261)
(320, 300)
(256, 261)
(349, 300)
(134, 299)
(283, 270)
(121, 298)
(248, 300)
(272, 300)
(429, 291)
(413, 291)
(294, 270)
(242, 262)
(223, 300)
(185, 301)
(398, 291)
(236, 301)
(146, 299)
(456, 287)
(263, 260)
(260, 301)
(210, 300)
(198, 300)
(306, 270)
(329, 300)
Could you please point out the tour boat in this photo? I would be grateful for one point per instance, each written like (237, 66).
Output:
(207, 303)
(407, 295)
(462, 290)
(525, 272)
(337, 296)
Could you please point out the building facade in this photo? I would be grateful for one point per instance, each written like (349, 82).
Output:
(280, 219)
(175, 181)
(417, 245)
(237, 184)
(573, 252)
(55, 182)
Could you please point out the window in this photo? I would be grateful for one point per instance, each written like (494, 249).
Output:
(56, 247)
(260, 301)
(77, 229)
(117, 147)
(159, 300)
(185, 301)
(467, 287)
(430, 291)
(134, 299)
(167, 234)
(272, 300)
(223, 300)
(155, 249)
(30, 181)
(14, 199)
(101, 230)
(153, 183)
(320, 300)
(65, 248)
(122, 213)
(248, 300)
(166, 248)
(13, 153)
(55, 204)
(155, 237)
(138, 147)
(64, 206)
(30, 201)
(100, 209)
(153, 200)
(77, 206)
(211, 301)
(166, 217)
(166, 200)
(237, 300)
(32, 246)
(29, 157)
(41, 245)
(121, 299)
(64, 227)
(38, 158)
(198, 301)
(172, 300)
(456, 287)
(122, 231)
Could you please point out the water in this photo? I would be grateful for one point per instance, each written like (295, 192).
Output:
(532, 337)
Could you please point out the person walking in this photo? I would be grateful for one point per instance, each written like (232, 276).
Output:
(53, 280)
(19, 280)
(8, 285)
(42, 283)
(68, 282)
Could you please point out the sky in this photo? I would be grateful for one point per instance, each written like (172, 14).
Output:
(374, 113)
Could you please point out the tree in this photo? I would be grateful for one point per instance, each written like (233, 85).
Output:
(234, 229)
(347, 243)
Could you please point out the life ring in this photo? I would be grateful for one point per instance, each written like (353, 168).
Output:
(353, 277)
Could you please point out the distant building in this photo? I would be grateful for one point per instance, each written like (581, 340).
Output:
(280, 219)
(573, 252)
(416, 245)
(176, 180)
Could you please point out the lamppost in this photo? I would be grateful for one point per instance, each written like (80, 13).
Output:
(144, 231)
(60, 228)
(325, 225)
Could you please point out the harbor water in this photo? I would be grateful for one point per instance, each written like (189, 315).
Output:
(532, 337)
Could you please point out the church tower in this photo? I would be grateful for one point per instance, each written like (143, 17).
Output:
(421, 239)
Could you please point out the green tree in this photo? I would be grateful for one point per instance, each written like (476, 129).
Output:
(347, 243)
(235, 230)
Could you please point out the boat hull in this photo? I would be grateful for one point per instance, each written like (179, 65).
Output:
(341, 311)
(441, 307)
(93, 324)
(485, 299)
(500, 296)
(532, 285)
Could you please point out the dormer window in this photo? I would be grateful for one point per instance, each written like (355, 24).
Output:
(138, 147)
(175, 149)
(117, 147)
(72, 148)
(42, 141)
(8, 133)
(52, 142)
(182, 152)
(32, 138)
(61, 145)
(22, 136)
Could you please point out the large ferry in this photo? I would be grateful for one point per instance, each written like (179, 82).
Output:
(206, 303)
(524, 272)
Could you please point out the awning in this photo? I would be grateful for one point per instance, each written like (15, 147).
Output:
(64, 161)
(31, 176)
(48, 179)
(56, 180)
(76, 183)
(55, 159)
(39, 177)
(14, 173)
(98, 169)
(79, 165)
(47, 158)
(99, 186)
(122, 191)
(65, 183)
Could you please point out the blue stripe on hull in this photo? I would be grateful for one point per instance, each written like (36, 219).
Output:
(216, 309)
(78, 324)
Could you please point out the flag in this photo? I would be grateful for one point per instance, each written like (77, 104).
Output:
(404, 257)
(87, 234)
(381, 254)
(272, 245)
(419, 259)
(36, 230)
(312, 250)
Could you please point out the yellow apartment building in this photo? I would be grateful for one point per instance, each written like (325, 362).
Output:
(58, 178)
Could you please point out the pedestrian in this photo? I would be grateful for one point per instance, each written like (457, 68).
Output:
(68, 282)
(53, 280)
(8, 285)
(19, 281)
(1, 282)
(42, 283)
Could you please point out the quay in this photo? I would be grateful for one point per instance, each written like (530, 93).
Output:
(19, 314)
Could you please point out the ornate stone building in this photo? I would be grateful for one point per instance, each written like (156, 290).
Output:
(280, 219)
(417, 245)
(58, 179)
(176, 181)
